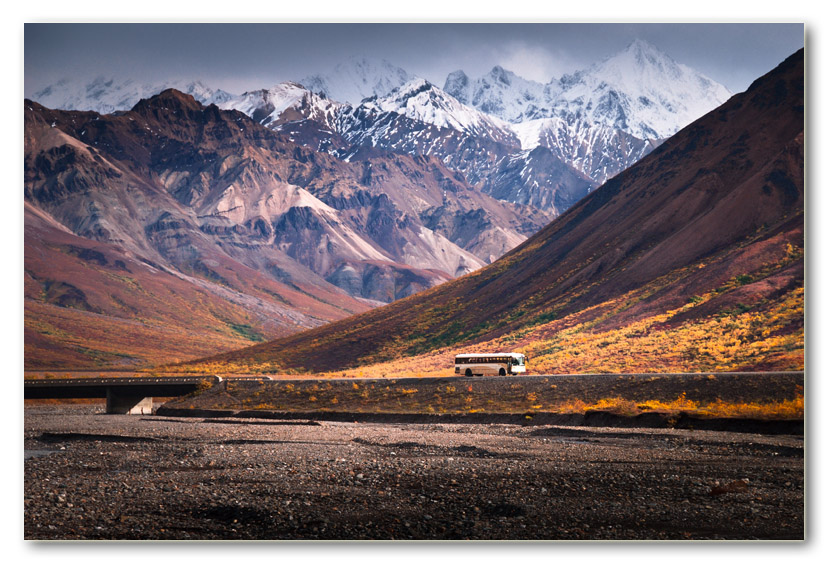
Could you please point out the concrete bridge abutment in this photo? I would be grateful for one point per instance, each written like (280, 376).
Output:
(127, 404)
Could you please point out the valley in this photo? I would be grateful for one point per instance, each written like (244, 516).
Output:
(313, 270)
(286, 208)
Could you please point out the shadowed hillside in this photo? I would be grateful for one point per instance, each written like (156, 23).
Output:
(707, 229)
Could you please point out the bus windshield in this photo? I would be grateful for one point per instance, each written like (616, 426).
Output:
(518, 361)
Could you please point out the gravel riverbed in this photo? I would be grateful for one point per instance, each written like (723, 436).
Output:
(89, 475)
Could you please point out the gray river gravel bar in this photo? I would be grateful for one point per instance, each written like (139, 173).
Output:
(88, 475)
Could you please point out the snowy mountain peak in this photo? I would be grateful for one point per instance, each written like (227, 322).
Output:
(420, 100)
(640, 90)
(457, 84)
(107, 94)
(416, 91)
(356, 79)
(639, 60)
(499, 93)
(500, 74)
(286, 101)
(643, 48)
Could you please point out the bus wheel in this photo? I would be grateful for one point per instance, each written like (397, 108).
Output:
(469, 372)
(502, 372)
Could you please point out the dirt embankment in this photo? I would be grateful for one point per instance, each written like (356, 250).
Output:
(559, 400)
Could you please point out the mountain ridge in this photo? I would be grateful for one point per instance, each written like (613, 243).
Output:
(383, 106)
(639, 90)
(105, 95)
(205, 195)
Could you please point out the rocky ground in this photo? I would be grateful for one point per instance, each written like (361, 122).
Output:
(94, 476)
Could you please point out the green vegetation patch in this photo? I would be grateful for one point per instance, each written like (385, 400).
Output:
(105, 358)
(246, 331)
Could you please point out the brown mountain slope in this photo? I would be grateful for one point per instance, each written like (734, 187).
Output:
(276, 236)
(114, 263)
(707, 226)
(90, 304)
(216, 177)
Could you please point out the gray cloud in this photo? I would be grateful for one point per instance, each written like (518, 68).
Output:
(238, 57)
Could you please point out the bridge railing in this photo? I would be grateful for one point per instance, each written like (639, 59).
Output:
(132, 395)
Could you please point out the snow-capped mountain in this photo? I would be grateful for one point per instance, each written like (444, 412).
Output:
(282, 103)
(356, 79)
(421, 119)
(592, 124)
(499, 93)
(641, 91)
(422, 101)
(106, 94)
(596, 150)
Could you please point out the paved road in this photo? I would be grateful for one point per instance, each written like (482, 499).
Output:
(530, 377)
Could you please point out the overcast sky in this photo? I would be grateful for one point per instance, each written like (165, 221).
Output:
(239, 57)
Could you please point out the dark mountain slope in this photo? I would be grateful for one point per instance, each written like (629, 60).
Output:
(723, 198)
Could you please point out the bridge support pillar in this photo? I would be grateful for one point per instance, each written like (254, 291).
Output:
(118, 402)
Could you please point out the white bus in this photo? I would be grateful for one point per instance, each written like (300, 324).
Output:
(489, 364)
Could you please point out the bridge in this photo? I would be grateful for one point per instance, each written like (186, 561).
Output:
(123, 395)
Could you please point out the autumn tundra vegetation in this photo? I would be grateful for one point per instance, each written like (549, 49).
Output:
(762, 335)
(772, 396)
